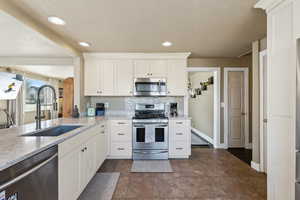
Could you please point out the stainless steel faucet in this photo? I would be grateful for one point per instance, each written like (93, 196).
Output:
(38, 117)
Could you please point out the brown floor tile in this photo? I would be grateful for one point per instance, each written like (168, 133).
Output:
(210, 174)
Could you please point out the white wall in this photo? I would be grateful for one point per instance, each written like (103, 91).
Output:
(201, 108)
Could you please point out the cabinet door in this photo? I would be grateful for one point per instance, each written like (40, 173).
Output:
(124, 77)
(69, 172)
(141, 68)
(177, 78)
(90, 153)
(296, 18)
(83, 177)
(158, 68)
(91, 77)
(107, 78)
(101, 149)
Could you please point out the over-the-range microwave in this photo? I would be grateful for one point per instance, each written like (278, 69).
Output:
(150, 87)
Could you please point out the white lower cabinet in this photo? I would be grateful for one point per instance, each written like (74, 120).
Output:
(179, 138)
(79, 159)
(120, 139)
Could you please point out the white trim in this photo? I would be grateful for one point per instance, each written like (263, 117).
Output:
(217, 88)
(261, 109)
(6, 60)
(255, 166)
(246, 103)
(137, 55)
(268, 5)
(249, 146)
(203, 135)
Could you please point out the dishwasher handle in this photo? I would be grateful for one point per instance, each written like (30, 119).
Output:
(9, 183)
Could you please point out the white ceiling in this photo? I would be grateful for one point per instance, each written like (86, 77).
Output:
(18, 40)
(55, 71)
(207, 28)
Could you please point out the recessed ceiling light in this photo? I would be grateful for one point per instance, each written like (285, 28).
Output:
(56, 20)
(84, 44)
(167, 44)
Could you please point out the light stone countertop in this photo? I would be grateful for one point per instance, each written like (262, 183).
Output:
(180, 117)
(14, 148)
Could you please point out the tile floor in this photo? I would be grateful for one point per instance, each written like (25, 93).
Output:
(210, 174)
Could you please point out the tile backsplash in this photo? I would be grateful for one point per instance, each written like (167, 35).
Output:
(126, 105)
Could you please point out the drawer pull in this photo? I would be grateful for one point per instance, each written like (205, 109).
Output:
(179, 122)
(179, 133)
(179, 148)
(102, 132)
(102, 126)
(121, 149)
(121, 134)
(121, 123)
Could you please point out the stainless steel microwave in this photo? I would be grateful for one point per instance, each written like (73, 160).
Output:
(150, 87)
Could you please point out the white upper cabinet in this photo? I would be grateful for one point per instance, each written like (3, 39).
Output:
(297, 18)
(107, 78)
(177, 78)
(91, 77)
(123, 77)
(158, 68)
(150, 68)
(113, 74)
(141, 68)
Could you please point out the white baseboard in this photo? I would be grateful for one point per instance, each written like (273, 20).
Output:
(203, 135)
(255, 166)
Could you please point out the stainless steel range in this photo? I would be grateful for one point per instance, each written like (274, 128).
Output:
(150, 132)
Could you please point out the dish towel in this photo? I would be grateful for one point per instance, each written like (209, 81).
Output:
(150, 136)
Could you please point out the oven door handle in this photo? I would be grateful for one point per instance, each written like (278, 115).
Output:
(138, 126)
(145, 152)
(5, 185)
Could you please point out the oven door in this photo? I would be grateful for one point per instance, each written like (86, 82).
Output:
(150, 87)
(150, 136)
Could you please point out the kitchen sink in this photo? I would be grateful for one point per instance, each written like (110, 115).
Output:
(53, 131)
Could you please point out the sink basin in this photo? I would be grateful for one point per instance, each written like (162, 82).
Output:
(53, 131)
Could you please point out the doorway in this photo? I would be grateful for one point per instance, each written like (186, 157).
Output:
(205, 90)
(263, 110)
(236, 101)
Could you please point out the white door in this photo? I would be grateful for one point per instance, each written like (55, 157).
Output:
(107, 78)
(236, 109)
(124, 78)
(263, 110)
(265, 120)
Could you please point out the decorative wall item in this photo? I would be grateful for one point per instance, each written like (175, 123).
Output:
(10, 86)
(194, 92)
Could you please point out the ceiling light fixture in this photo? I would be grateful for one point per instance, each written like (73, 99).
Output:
(84, 44)
(167, 44)
(56, 20)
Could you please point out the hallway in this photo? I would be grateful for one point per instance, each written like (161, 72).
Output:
(209, 174)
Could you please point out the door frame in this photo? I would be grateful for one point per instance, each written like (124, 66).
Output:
(245, 70)
(217, 101)
(261, 109)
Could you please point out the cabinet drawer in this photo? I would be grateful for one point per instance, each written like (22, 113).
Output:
(179, 134)
(179, 124)
(120, 123)
(121, 135)
(179, 148)
(121, 149)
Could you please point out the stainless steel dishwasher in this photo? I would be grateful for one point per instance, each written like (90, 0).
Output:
(35, 178)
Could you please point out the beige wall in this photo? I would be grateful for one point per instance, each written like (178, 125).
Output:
(245, 61)
(201, 108)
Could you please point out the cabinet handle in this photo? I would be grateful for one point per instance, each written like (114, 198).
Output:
(102, 132)
(121, 149)
(82, 150)
(121, 134)
(179, 148)
(102, 126)
(169, 92)
(121, 123)
(85, 148)
(179, 122)
(179, 133)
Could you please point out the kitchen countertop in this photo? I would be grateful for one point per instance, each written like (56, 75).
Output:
(14, 148)
(180, 117)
